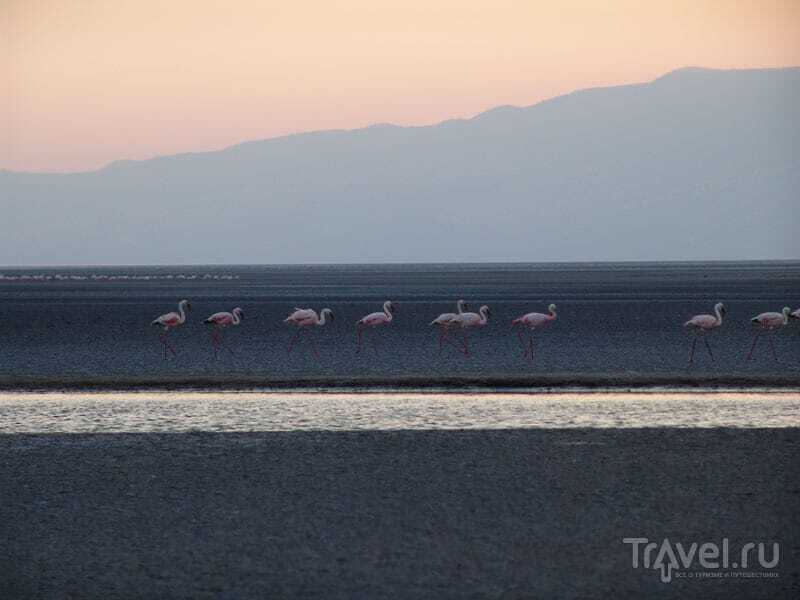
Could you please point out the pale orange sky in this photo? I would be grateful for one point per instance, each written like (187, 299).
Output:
(86, 82)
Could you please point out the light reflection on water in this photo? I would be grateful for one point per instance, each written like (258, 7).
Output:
(101, 412)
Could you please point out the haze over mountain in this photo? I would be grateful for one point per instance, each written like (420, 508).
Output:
(698, 164)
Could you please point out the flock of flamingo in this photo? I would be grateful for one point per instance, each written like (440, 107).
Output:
(450, 324)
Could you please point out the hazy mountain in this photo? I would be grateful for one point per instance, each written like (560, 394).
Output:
(698, 164)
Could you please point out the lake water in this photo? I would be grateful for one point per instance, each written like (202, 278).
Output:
(102, 412)
(616, 322)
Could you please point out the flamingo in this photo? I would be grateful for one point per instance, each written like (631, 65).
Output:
(769, 321)
(471, 320)
(704, 324)
(445, 321)
(375, 319)
(307, 317)
(220, 321)
(170, 321)
(795, 314)
(533, 321)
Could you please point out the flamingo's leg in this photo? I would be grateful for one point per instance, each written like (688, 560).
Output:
(772, 345)
(454, 344)
(691, 353)
(523, 344)
(314, 347)
(442, 336)
(224, 345)
(359, 333)
(215, 341)
(448, 339)
(293, 341)
(374, 339)
(753, 347)
(167, 345)
(530, 344)
(466, 343)
(708, 347)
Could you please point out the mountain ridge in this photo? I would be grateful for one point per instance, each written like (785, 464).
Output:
(700, 165)
(680, 71)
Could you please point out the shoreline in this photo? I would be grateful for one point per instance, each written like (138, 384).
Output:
(540, 383)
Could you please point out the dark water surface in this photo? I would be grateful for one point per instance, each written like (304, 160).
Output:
(616, 322)
(512, 513)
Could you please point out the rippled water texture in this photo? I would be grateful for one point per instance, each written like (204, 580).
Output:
(278, 411)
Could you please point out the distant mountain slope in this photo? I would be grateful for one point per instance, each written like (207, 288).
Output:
(698, 164)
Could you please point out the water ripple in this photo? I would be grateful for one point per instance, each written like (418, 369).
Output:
(27, 412)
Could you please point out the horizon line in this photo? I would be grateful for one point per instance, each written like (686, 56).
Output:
(405, 263)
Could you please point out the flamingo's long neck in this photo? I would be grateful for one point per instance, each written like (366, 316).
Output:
(785, 316)
(321, 320)
(460, 306)
(182, 312)
(236, 319)
(552, 314)
(719, 315)
(484, 318)
(388, 311)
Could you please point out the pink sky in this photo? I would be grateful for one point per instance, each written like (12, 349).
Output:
(91, 81)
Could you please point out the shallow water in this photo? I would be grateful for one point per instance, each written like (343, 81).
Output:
(87, 324)
(100, 412)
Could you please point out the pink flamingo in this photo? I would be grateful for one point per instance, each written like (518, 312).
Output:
(220, 321)
(373, 320)
(307, 317)
(470, 320)
(445, 322)
(769, 321)
(170, 321)
(533, 321)
(703, 325)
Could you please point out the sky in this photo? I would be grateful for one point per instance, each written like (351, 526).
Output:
(87, 82)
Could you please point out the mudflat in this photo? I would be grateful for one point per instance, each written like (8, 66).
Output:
(392, 514)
